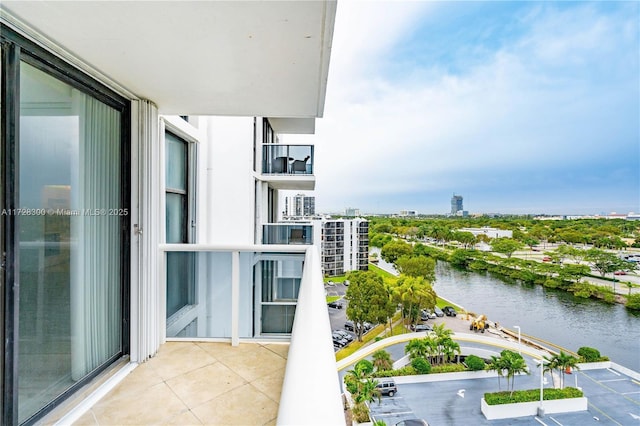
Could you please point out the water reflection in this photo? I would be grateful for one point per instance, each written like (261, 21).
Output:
(552, 315)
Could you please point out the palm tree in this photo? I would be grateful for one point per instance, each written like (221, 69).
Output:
(449, 349)
(565, 362)
(510, 362)
(417, 348)
(497, 364)
(382, 360)
(549, 365)
(367, 392)
(514, 364)
(441, 335)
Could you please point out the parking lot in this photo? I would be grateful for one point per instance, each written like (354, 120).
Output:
(614, 399)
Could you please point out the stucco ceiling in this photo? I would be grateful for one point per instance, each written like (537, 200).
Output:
(246, 58)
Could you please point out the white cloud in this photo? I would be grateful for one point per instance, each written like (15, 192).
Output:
(538, 102)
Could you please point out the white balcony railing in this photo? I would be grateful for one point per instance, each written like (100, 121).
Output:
(225, 276)
(311, 359)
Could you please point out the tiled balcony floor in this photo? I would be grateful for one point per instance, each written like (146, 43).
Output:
(195, 383)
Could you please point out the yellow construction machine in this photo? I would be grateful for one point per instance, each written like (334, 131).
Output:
(479, 324)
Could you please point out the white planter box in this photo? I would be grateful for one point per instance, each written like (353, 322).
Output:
(523, 409)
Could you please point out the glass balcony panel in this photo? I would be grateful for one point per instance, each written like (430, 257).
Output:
(276, 233)
(199, 286)
(287, 159)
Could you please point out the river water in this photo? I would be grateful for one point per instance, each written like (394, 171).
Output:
(551, 315)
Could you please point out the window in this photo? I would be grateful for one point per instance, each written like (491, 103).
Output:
(66, 274)
(280, 281)
(177, 193)
(180, 221)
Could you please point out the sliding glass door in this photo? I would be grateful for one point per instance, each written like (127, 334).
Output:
(70, 184)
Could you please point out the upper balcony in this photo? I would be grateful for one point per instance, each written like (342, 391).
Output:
(288, 166)
(285, 233)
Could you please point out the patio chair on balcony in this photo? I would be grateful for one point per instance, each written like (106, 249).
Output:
(280, 165)
(300, 166)
(296, 236)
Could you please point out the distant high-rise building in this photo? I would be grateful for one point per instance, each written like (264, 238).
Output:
(299, 205)
(456, 204)
(350, 211)
(343, 243)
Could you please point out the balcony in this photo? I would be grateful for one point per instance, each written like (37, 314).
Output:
(288, 166)
(224, 366)
(280, 233)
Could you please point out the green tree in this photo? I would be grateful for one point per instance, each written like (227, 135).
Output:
(506, 246)
(417, 266)
(603, 261)
(573, 272)
(513, 363)
(369, 300)
(450, 349)
(360, 372)
(530, 241)
(467, 239)
(443, 341)
(564, 363)
(413, 293)
(394, 250)
(419, 348)
(382, 360)
(497, 364)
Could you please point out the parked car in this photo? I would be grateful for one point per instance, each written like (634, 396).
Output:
(338, 340)
(336, 304)
(426, 313)
(344, 334)
(412, 422)
(349, 326)
(546, 259)
(387, 387)
(438, 312)
(619, 273)
(420, 327)
(449, 311)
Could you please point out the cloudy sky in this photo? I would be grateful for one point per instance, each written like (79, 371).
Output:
(520, 107)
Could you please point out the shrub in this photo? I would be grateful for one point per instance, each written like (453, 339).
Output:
(421, 365)
(360, 412)
(448, 368)
(404, 371)
(633, 302)
(364, 365)
(589, 354)
(475, 363)
(505, 397)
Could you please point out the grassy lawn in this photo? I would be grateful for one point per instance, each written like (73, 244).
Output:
(336, 279)
(333, 298)
(355, 345)
(442, 303)
(380, 271)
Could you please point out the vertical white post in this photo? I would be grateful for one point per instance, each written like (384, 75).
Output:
(235, 297)
(519, 339)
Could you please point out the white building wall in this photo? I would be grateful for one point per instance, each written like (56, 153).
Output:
(226, 182)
